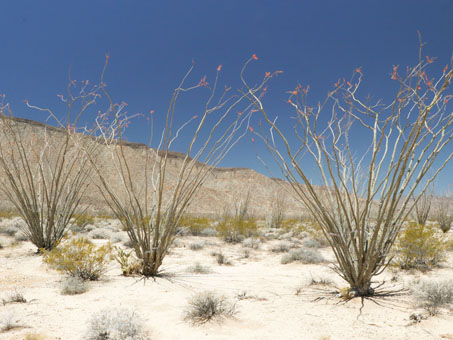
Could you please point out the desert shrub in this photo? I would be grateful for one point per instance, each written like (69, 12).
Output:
(79, 257)
(73, 286)
(281, 247)
(82, 220)
(209, 232)
(320, 281)
(119, 237)
(99, 234)
(11, 230)
(419, 246)
(235, 229)
(21, 236)
(221, 259)
(433, 295)
(310, 243)
(198, 268)
(303, 255)
(119, 324)
(208, 306)
(195, 225)
(15, 297)
(196, 246)
(252, 243)
(7, 214)
(130, 264)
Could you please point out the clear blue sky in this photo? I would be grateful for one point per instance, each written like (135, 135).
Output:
(152, 43)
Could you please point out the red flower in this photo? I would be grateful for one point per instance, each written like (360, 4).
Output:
(429, 60)
(289, 101)
(267, 74)
(294, 93)
(253, 140)
(195, 117)
(219, 68)
(251, 129)
(445, 68)
(254, 57)
(358, 70)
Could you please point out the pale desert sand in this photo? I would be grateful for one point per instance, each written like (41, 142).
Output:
(263, 289)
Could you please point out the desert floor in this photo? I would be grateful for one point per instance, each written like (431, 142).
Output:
(273, 301)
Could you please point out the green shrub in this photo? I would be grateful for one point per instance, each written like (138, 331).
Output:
(130, 264)
(196, 225)
(79, 257)
(82, 220)
(419, 246)
(236, 229)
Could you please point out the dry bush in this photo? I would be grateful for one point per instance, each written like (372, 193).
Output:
(196, 246)
(119, 324)
(443, 216)
(79, 257)
(9, 321)
(302, 255)
(221, 259)
(15, 297)
(73, 286)
(252, 243)
(433, 295)
(208, 306)
(419, 246)
(198, 268)
(281, 247)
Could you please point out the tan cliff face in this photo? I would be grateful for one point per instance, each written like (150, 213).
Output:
(223, 189)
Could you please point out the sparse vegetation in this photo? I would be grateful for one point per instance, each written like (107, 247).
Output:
(281, 247)
(15, 297)
(433, 295)
(443, 216)
(221, 259)
(79, 257)
(198, 268)
(208, 306)
(419, 246)
(111, 324)
(73, 286)
(302, 255)
(196, 246)
(9, 322)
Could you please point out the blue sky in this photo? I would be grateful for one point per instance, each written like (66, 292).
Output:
(152, 43)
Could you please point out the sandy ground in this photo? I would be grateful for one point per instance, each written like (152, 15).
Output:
(263, 289)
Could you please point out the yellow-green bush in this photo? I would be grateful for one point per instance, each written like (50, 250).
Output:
(195, 224)
(235, 229)
(79, 257)
(419, 246)
(82, 220)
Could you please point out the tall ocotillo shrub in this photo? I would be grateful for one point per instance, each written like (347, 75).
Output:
(44, 172)
(151, 198)
(364, 199)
